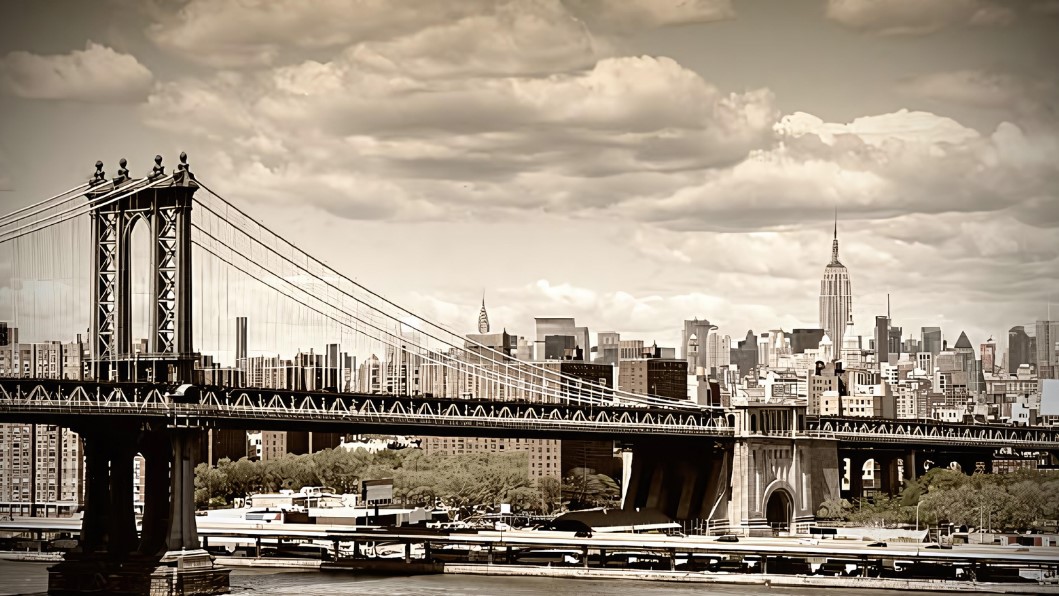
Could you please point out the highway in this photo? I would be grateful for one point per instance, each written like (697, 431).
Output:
(1040, 557)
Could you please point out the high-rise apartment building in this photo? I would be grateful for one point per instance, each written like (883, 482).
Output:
(41, 466)
(654, 376)
(836, 296)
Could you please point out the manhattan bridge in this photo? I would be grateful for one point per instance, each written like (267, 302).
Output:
(164, 257)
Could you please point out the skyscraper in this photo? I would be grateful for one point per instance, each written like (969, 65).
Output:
(1020, 348)
(836, 297)
(932, 340)
(882, 339)
(988, 352)
(483, 319)
(1048, 349)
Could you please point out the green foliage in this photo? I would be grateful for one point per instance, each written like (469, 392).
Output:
(419, 479)
(1017, 501)
(834, 509)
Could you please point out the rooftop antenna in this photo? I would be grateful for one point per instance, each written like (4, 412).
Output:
(887, 306)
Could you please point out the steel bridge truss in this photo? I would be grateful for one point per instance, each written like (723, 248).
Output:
(916, 432)
(241, 407)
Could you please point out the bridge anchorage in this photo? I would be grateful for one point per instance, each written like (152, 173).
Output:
(753, 468)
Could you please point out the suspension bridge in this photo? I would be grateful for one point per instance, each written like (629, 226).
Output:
(156, 269)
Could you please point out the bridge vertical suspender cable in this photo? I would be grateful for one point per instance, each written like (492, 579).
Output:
(602, 392)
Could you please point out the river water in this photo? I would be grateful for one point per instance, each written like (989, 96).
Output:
(18, 577)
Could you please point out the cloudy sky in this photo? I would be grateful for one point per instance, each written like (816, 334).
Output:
(629, 163)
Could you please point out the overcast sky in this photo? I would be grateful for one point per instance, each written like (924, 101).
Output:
(628, 163)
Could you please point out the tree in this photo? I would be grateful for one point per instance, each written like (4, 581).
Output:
(210, 483)
(551, 493)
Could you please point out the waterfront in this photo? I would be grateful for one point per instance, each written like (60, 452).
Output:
(19, 577)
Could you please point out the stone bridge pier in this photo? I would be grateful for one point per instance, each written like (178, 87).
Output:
(780, 476)
(165, 558)
(686, 480)
(769, 477)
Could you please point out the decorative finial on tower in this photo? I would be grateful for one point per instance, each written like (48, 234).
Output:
(483, 318)
(99, 175)
(183, 167)
(123, 171)
(159, 169)
(834, 243)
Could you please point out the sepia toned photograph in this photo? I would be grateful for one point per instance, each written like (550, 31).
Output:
(465, 297)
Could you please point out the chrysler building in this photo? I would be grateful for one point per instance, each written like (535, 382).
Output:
(836, 297)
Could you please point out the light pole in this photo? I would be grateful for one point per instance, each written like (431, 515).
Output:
(917, 514)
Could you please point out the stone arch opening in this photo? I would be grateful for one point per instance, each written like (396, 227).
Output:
(779, 510)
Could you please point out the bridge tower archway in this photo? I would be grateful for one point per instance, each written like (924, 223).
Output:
(779, 510)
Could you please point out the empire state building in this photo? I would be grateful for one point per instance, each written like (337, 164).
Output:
(836, 298)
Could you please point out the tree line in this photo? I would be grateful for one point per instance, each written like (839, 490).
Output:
(419, 479)
(1018, 501)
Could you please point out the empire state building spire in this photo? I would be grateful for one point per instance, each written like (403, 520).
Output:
(834, 242)
(483, 319)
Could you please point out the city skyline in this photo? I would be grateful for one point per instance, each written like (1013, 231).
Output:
(688, 177)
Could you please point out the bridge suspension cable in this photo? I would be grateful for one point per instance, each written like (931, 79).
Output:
(41, 206)
(549, 379)
(394, 340)
(483, 353)
(82, 209)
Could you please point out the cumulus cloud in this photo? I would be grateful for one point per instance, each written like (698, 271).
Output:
(875, 167)
(252, 33)
(916, 17)
(95, 74)
(516, 138)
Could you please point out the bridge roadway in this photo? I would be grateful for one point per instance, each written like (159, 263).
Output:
(68, 403)
(1029, 557)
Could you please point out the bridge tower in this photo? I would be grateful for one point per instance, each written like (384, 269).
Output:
(164, 206)
(166, 557)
